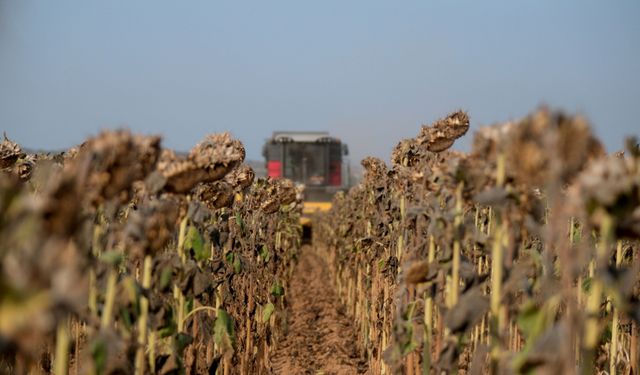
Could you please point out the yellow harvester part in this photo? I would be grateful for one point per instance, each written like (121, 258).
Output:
(310, 208)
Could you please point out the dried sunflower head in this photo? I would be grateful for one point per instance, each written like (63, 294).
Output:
(166, 157)
(610, 185)
(217, 149)
(180, 175)
(115, 160)
(374, 169)
(61, 201)
(406, 153)
(488, 141)
(575, 144)
(241, 177)
(71, 153)
(215, 195)
(24, 167)
(440, 135)
(546, 146)
(209, 161)
(10, 152)
(151, 226)
(277, 193)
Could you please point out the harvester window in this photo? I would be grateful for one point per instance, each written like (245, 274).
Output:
(306, 162)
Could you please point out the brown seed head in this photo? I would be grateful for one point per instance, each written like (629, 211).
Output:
(10, 152)
(215, 194)
(277, 193)
(374, 168)
(550, 145)
(209, 161)
(241, 177)
(406, 153)
(440, 135)
(116, 159)
(151, 227)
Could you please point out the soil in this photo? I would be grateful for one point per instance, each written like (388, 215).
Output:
(321, 338)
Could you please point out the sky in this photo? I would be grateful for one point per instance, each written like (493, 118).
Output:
(369, 72)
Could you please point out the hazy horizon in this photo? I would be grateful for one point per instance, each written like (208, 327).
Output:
(370, 73)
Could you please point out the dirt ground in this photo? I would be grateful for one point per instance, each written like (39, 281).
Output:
(321, 338)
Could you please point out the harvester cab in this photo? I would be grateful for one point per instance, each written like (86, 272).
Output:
(312, 159)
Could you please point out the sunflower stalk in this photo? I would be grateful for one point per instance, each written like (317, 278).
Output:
(178, 295)
(110, 298)
(497, 255)
(144, 317)
(592, 329)
(428, 316)
(455, 272)
(572, 242)
(613, 353)
(62, 348)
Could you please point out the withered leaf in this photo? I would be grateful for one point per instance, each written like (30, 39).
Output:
(469, 310)
(420, 272)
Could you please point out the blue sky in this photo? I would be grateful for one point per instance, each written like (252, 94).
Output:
(370, 72)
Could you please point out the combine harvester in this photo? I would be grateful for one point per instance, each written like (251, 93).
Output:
(314, 160)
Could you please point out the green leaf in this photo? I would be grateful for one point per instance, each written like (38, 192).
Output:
(194, 241)
(265, 254)
(239, 221)
(99, 355)
(133, 291)
(182, 340)
(167, 330)
(237, 266)
(168, 326)
(277, 289)
(223, 331)
(266, 313)
(408, 344)
(586, 284)
(113, 258)
(529, 320)
(408, 315)
(125, 318)
(234, 260)
(533, 321)
(165, 277)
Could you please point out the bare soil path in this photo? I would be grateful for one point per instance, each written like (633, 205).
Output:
(321, 338)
